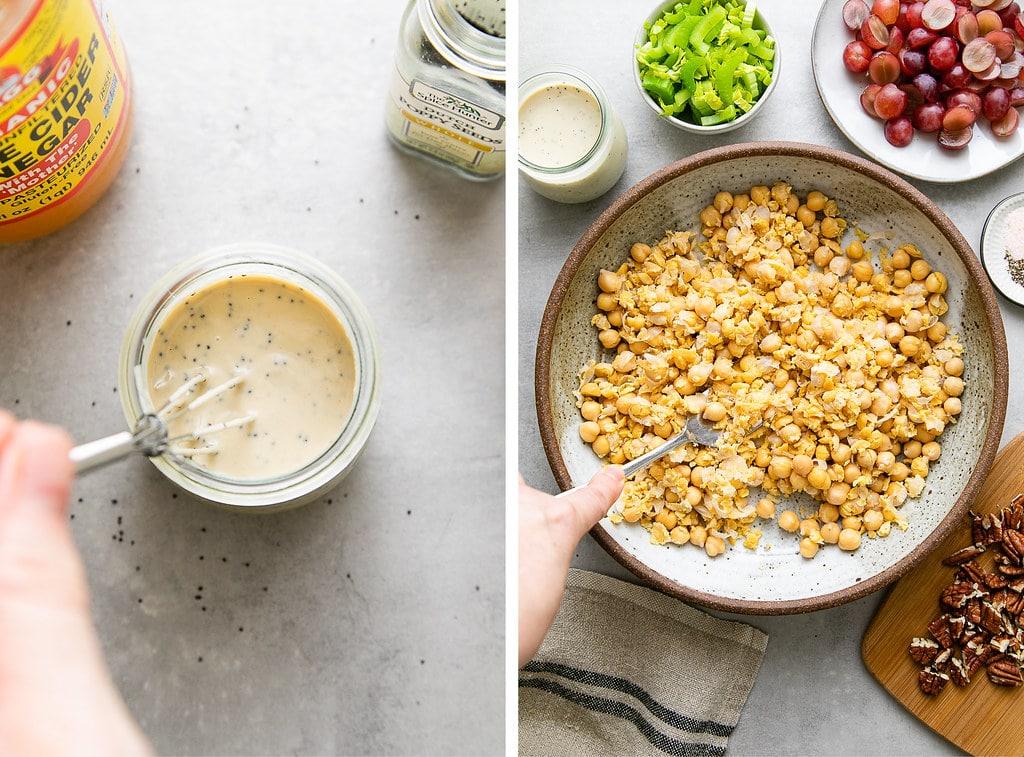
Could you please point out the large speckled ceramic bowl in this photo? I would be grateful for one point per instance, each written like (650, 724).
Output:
(774, 578)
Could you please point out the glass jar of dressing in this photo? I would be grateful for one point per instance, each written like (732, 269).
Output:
(305, 356)
(65, 112)
(447, 96)
(572, 144)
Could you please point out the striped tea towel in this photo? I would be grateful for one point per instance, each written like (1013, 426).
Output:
(626, 670)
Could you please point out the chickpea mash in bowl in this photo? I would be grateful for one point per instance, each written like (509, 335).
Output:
(836, 328)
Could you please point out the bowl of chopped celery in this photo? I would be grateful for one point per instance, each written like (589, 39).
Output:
(706, 67)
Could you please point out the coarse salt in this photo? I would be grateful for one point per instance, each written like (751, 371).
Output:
(1015, 245)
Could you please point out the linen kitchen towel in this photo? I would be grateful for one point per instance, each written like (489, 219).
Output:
(628, 670)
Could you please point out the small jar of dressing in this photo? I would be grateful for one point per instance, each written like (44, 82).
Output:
(299, 356)
(572, 144)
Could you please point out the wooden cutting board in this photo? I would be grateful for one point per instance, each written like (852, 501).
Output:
(981, 718)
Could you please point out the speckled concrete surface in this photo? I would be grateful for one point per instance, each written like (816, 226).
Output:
(813, 694)
(372, 620)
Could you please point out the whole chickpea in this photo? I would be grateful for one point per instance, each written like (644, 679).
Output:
(849, 539)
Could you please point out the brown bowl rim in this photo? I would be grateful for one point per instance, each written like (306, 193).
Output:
(963, 249)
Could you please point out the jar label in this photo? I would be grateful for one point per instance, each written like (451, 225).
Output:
(444, 124)
(63, 97)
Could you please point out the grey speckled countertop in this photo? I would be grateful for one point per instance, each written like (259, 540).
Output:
(372, 620)
(813, 694)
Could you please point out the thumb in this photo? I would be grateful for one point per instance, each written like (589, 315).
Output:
(38, 559)
(592, 501)
(35, 471)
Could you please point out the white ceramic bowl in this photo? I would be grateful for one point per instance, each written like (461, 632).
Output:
(681, 123)
(778, 580)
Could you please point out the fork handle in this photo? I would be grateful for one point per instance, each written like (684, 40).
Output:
(637, 465)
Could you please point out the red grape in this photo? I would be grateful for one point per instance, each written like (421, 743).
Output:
(914, 15)
(957, 77)
(928, 117)
(867, 99)
(854, 13)
(874, 33)
(995, 103)
(964, 97)
(938, 66)
(898, 131)
(979, 54)
(966, 25)
(1006, 125)
(890, 101)
(887, 10)
(1002, 41)
(927, 86)
(955, 140)
(943, 53)
(884, 68)
(959, 117)
(896, 39)
(919, 37)
(938, 14)
(912, 62)
(988, 20)
(857, 57)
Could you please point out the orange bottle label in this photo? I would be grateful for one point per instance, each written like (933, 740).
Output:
(64, 95)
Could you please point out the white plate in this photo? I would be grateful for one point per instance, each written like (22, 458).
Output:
(922, 158)
(1000, 243)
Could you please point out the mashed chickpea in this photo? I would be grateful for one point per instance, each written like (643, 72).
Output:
(764, 316)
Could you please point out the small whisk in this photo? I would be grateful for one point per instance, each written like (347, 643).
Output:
(150, 436)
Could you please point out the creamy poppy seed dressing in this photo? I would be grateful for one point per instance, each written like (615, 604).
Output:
(559, 125)
(297, 360)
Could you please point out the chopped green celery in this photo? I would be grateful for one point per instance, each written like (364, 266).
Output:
(688, 72)
(720, 117)
(706, 27)
(725, 72)
(749, 9)
(659, 86)
(703, 59)
(678, 35)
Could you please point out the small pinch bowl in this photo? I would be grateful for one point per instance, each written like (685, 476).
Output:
(777, 580)
(687, 125)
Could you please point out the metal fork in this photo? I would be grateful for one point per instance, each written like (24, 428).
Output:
(695, 431)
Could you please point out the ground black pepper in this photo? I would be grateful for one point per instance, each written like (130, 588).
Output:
(1015, 268)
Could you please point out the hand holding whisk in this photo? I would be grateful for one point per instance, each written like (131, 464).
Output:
(150, 435)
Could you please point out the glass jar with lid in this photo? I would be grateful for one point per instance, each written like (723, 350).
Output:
(447, 97)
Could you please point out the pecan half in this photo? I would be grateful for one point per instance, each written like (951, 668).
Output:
(971, 572)
(986, 529)
(959, 672)
(956, 594)
(939, 628)
(991, 618)
(932, 681)
(1005, 672)
(1013, 514)
(1013, 545)
(924, 650)
(964, 555)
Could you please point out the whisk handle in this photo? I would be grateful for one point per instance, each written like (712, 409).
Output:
(149, 437)
(102, 451)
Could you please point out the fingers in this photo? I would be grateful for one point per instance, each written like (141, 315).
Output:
(592, 501)
(35, 470)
